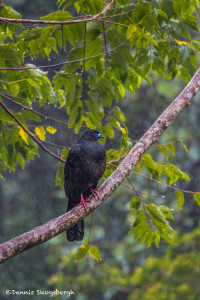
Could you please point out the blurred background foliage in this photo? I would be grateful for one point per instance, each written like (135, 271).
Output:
(29, 196)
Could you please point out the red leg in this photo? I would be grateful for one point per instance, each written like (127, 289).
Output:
(94, 192)
(83, 202)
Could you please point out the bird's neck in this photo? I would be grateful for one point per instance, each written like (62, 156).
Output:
(92, 148)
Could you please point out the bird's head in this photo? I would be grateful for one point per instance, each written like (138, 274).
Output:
(92, 135)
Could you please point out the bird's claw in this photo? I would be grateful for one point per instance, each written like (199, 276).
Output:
(83, 202)
(94, 192)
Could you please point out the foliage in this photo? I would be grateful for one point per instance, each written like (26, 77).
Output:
(163, 41)
(101, 62)
(171, 276)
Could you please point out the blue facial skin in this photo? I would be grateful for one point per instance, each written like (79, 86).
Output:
(98, 135)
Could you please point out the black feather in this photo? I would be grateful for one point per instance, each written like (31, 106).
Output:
(84, 167)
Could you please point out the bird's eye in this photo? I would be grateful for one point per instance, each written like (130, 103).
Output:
(93, 134)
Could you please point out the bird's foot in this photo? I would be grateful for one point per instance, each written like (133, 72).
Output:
(83, 202)
(94, 192)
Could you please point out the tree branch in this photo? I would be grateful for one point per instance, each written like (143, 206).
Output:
(68, 62)
(7, 20)
(8, 111)
(54, 227)
(8, 97)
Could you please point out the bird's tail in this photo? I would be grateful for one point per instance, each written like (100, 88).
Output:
(76, 232)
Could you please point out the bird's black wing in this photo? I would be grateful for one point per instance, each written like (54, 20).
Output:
(72, 189)
(72, 169)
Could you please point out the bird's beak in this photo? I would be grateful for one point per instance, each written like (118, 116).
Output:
(100, 136)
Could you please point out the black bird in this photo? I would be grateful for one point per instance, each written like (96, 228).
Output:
(85, 165)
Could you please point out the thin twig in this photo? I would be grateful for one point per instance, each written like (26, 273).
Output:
(83, 75)
(62, 41)
(159, 182)
(105, 45)
(144, 207)
(90, 229)
(139, 192)
(164, 184)
(29, 133)
(69, 62)
(32, 110)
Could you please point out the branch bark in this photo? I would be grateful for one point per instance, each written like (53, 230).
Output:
(92, 18)
(8, 111)
(54, 227)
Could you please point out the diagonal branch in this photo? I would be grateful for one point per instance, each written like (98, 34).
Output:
(8, 111)
(8, 97)
(54, 227)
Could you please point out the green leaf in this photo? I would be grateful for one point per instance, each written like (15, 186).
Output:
(167, 7)
(141, 57)
(107, 90)
(168, 237)
(9, 12)
(184, 146)
(82, 251)
(143, 231)
(185, 75)
(152, 167)
(119, 114)
(135, 203)
(64, 153)
(162, 13)
(157, 238)
(191, 21)
(92, 48)
(112, 154)
(196, 46)
(163, 150)
(21, 160)
(60, 175)
(167, 211)
(114, 122)
(171, 148)
(173, 173)
(11, 156)
(194, 60)
(197, 198)
(94, 252)
(59, 15)
(72, 90)
(180, 199)
(108, 131)
(119, 61)
(177, 6)
(92, 120)
(30, 115)
(156, 213)
(75, 113)
(132, 29)
(184, 53)
(95, 104)
(50, 45)
(140, 219)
